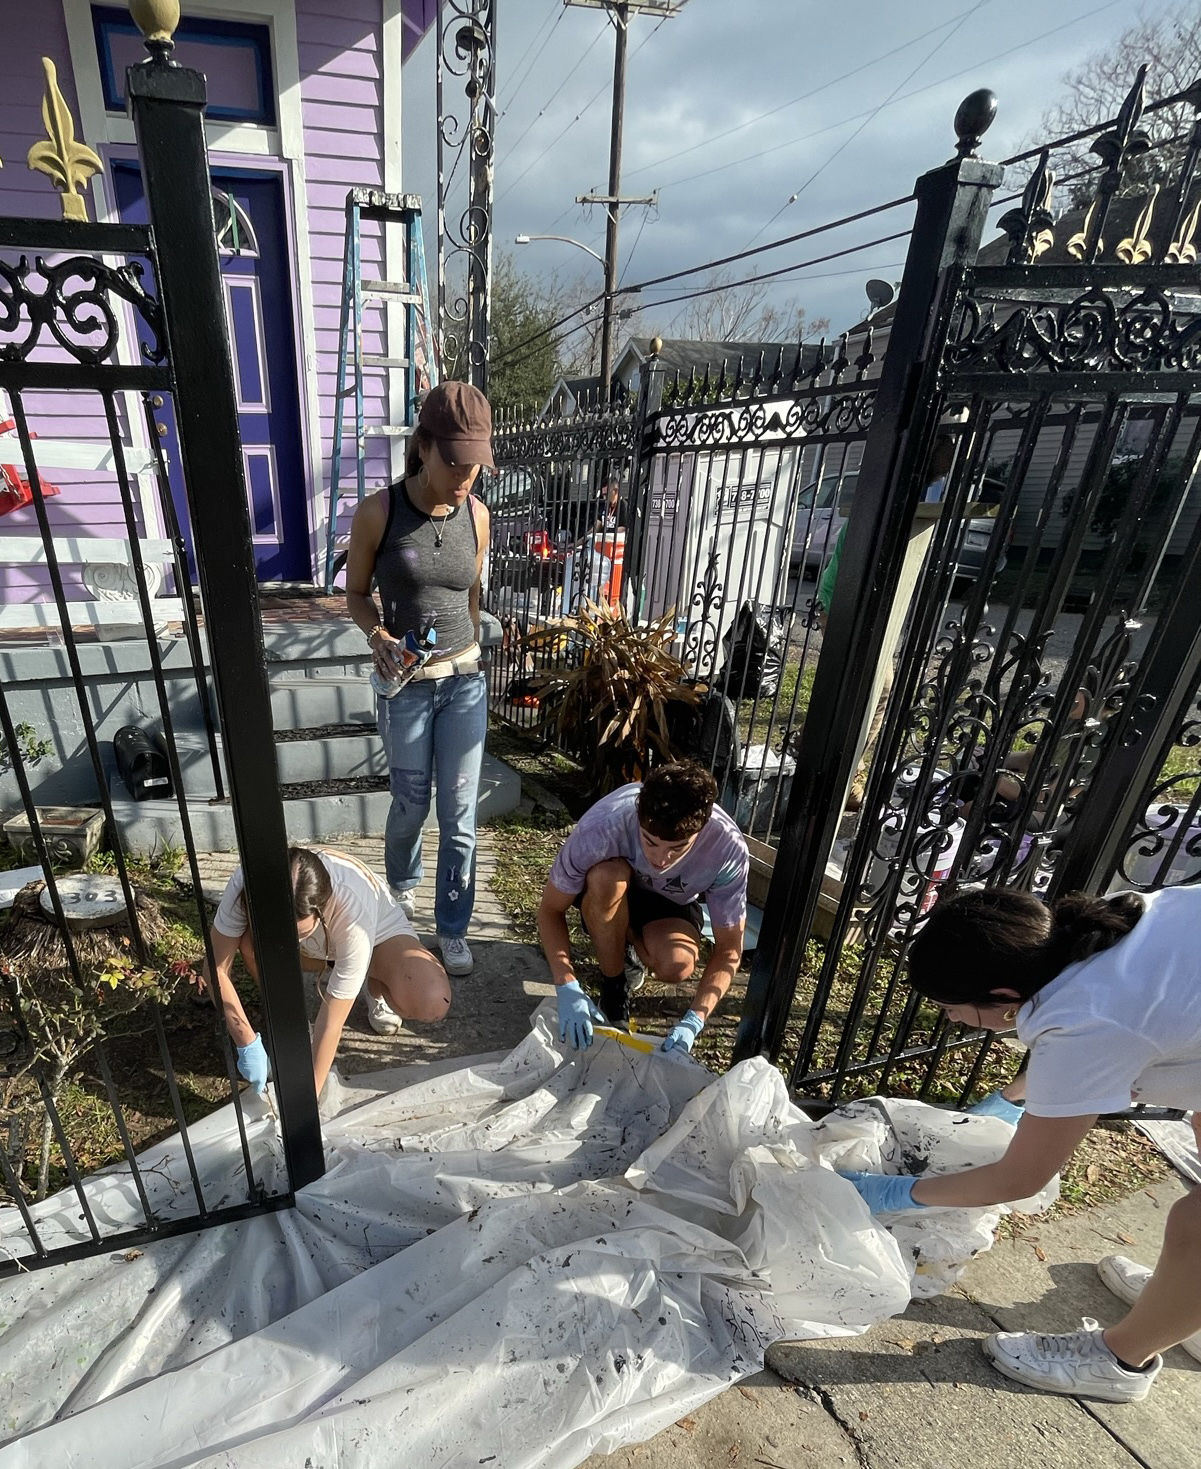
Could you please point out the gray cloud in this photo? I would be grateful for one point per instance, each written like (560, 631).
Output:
(721, 63)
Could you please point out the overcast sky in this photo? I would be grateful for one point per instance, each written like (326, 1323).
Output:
(698, 85)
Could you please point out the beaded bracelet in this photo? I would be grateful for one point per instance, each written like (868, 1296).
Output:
(379, 627)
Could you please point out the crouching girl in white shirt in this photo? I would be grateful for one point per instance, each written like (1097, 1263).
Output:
(1106, 993)
(345, 917)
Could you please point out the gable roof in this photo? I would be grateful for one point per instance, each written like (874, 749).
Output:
(683, 355)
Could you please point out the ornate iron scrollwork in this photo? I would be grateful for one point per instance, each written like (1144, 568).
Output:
(581, 436)
(1102, 330)
(466, 48)
(1164, 849)
(73, 308)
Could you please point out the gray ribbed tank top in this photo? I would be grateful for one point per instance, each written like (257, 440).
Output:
(421, 581)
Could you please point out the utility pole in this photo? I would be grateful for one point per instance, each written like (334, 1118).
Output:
(619, 12)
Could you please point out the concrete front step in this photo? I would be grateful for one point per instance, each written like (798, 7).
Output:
(350, 755)
(327, 698)
(149, 826)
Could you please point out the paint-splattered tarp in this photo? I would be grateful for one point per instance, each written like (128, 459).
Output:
(516, 1260)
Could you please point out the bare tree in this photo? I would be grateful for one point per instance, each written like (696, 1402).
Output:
(1170, 44)
(733, 313)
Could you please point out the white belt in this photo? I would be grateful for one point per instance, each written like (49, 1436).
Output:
(468, 661)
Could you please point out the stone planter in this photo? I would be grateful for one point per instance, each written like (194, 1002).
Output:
(71, 834)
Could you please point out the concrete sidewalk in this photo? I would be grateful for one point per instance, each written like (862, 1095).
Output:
(917, 1392)
(913, 1393)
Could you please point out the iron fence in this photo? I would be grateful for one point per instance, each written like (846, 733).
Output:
(1038, 732)
(1011, 659)
(106, 323)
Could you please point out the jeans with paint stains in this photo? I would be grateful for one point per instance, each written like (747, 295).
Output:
(436, 726)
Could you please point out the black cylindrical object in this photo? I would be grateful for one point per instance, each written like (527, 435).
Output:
(142, 764)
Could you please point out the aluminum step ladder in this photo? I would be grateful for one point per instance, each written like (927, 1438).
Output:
(417, 367)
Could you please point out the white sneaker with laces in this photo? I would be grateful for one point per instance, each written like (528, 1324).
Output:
(406, 900)
(1126, 1279)
(1076, 1362)
(381, 1016)
(456, 956)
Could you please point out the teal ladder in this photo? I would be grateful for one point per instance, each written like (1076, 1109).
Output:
(418, 365)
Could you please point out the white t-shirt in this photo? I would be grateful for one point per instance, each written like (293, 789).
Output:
(360, 913)
(1124, 1025)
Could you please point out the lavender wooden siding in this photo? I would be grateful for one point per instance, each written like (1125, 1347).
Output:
(341, 88)
(89, 504)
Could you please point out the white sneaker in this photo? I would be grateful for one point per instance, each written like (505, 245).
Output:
(1126, 1279)
(406, 900)
(381, 1016)
(456, 956)
(1076, 1362)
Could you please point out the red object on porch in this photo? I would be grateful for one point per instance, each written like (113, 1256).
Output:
(14, 487)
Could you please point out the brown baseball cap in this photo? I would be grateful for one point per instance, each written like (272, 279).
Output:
(459, 419)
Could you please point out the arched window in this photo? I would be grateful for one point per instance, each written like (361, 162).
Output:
(235, 233)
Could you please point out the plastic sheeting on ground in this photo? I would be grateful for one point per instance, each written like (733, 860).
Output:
(516, 1260)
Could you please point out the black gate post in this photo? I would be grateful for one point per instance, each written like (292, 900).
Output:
(650, 400)
(952, 207)
(167, 105)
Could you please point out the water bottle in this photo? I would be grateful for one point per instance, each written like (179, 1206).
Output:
(414, 652)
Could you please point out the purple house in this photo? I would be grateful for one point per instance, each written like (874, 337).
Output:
(304, 102)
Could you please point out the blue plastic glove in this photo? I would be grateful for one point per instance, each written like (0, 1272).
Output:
(576, 1014)
(253, 1065)
(995, 1105)
(885, 1193)
(683, 1035)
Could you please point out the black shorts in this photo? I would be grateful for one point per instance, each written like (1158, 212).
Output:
(646, 906)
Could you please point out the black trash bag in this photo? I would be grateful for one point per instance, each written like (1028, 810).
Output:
(755, 648)
(706, 731)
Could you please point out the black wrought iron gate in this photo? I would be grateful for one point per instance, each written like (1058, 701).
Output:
(1041, 731)
(64, 328)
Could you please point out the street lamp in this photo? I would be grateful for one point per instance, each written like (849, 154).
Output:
(567, 240)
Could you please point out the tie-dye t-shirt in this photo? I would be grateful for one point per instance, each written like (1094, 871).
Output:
(713, 869)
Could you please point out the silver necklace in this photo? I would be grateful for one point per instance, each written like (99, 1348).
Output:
(439, 528)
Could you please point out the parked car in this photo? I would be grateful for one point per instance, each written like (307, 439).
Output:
(821, 514)
(816, 536)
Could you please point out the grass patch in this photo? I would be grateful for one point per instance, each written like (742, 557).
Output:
(542, 768)
(789, 705)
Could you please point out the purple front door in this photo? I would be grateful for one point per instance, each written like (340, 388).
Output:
(252, 241)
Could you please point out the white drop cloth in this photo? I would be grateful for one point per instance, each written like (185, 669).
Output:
(515, 1260)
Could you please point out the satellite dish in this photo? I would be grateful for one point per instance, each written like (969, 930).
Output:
(879, 293)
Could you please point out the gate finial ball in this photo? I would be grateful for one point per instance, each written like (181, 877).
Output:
(973, 120)
(656, 346)
(156, 19)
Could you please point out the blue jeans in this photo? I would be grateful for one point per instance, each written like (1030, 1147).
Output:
(436, 724)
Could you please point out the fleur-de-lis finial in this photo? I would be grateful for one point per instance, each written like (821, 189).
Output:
(64, 161)
(1136, 248)
(1030, 227)
(1182, 250)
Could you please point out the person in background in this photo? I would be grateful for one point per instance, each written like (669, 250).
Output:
(1106, 993)
(422, 542)
(638, 864)
(345, 918)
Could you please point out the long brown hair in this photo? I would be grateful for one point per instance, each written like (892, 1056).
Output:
(413, 454)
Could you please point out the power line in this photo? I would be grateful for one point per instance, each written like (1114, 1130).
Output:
(596, 96)
(917, 92)
(804, 97)
(542, 111)
(846, 143)
(545, 42)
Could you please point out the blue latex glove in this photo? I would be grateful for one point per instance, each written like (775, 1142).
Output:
(683, 1035)
(995, 1105)
(576, 1014)
(885, 1193)
(253, 1065)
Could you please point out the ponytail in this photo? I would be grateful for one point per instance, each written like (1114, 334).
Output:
(413, 460)
(977, 943)
(1083, 925)
(312, 887)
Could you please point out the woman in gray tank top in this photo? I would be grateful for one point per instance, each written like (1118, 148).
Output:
(422, 542)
